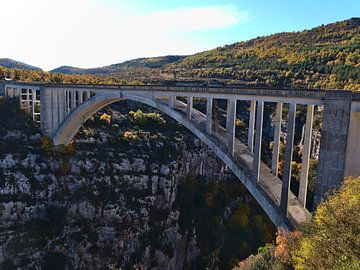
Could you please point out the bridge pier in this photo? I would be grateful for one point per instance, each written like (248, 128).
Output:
(172, 101)
(230, 124)
(277, 133)
(334, 136)
(258, 138)
(306, 155)
(189, 107)
(285, 188)
(252, 113)
(209, 110)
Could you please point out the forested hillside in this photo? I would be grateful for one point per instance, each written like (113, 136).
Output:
(9, 63)
(326, 57)
(323, 57)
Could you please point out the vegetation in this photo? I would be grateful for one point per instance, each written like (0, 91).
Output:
(234, 230)
(330, 242)
(323, 57)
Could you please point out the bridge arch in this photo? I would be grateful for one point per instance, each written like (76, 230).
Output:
(70, 126)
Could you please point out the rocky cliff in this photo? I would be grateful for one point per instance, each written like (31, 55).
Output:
(134, 191)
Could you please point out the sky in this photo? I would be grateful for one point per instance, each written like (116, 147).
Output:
(94, 33)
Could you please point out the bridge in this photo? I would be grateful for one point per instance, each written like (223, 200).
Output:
(63, 109)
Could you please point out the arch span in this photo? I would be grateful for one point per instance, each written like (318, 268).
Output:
(75, 119)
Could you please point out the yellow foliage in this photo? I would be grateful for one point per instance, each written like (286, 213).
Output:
(105, 118)
(332, 241)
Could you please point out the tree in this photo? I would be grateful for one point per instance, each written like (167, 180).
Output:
(332, 240)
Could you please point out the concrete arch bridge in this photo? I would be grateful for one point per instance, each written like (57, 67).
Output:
(62, 109)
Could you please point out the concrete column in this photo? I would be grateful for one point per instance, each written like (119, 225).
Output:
(46, 111)
(258, 137)
(230, 124)
(87, 95)
(33, 103)
(73, 99)
(189, 107)
(277, 133)
(352, 165)
(55, 108)
(306, 155)
(81, 100)
(334, 136)
(251, 126)
(172, 101)
(209, 110)
(68, 108)
(285, 187)
(62, 106)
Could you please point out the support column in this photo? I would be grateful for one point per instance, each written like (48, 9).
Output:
(55, 108)
(251, 126)
(68, 107)
(62, 108)
(189, 107)
(258, 137)
(285, 187)
(87, 95)
(46, 111)
(209, 110)
(172, 101)
(306, 155)
(33, 103)
(81, 100)
(230, 124)
(334, 136)
(73, 99)
(277, 133)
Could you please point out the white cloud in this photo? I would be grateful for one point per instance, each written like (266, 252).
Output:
(86, 33)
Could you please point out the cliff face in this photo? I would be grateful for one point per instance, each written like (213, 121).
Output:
(113, 202)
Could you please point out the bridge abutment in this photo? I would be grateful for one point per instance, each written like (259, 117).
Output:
(352, 167)
(334, 136)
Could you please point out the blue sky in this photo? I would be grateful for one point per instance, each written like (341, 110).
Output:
(91, 33)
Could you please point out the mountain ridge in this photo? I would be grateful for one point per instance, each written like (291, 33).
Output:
(10, 63)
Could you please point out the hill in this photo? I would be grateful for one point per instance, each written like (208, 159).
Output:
(140, 63)
(323, 57)
(9, 63)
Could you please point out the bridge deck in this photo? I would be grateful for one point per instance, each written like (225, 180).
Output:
(270, 184)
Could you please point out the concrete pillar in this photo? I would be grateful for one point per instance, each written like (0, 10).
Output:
(285, 187)
(172, 101)
(306, 155)
(230, 124)
(334, 136)
(258, 137)
(87, 95)
(81, 100)
(251, 126)
(55, 108)
(209, 110)
(62, 106)
(33, 103)
(46, 111)
(73, 99)
(352, 164)
(68, 102)
(277, 133)
(189, 107)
